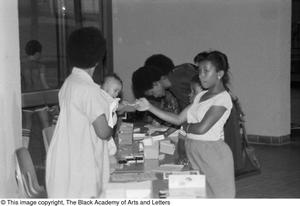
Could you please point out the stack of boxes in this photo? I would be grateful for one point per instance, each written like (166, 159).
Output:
(153, 145)
(151, 148)
(125, 133)
(181, 185)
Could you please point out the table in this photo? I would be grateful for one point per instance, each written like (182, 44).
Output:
(148, 170)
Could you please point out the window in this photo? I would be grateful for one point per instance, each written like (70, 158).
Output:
(49, 22)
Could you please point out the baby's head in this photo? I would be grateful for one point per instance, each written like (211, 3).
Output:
(196, 87)
(112, 84)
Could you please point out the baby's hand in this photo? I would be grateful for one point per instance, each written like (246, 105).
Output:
(126, 103)
(142, 104)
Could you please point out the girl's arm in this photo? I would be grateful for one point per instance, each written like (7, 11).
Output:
(210, 118)
(177, 119)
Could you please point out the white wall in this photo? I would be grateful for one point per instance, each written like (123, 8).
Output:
(254, 34)
(10, 96)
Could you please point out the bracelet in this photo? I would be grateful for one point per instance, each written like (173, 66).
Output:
(187, 128)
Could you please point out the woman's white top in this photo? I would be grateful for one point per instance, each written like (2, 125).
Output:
(198, 109)
(76, 157)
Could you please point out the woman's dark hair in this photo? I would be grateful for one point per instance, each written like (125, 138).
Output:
(143, 79)
(32, 47)
(195, 79)
(86, 47)
(162, 62)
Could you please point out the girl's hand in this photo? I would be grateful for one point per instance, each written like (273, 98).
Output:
(142, 104)
(184, 126)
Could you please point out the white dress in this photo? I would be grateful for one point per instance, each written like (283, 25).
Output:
(75, 159)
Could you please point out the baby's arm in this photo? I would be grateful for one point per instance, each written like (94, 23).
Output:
(126, 106)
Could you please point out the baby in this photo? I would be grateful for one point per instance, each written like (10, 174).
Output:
(112, 86)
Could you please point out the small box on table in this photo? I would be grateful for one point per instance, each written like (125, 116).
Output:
(125, 138)
(166, 147)
(151, 149)
(134, 190)
(187, 186)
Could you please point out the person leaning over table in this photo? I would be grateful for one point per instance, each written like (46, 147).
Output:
(74, 165)
(205, 117)
(177, 81)
(167, 102)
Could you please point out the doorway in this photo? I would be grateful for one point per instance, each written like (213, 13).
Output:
(295, 72)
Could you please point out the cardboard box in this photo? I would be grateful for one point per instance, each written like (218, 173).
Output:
(158, 137)
(151, 151)
(148, 141)
(125, 138)
(167, 147)
(187, 186)
(151, 164)
(133, 190)
(139, 136)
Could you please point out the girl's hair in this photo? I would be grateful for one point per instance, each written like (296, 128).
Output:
(200, 56)
(220, 61)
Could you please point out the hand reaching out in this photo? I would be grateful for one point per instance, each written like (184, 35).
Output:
(142, 104)
(184, 126)
(126, 106)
